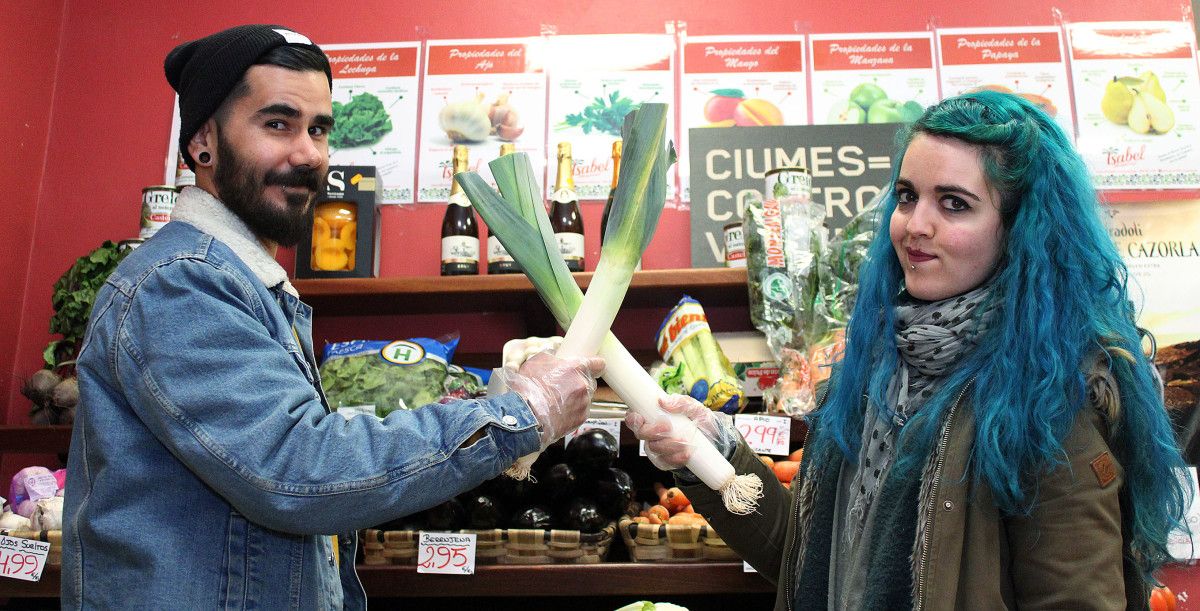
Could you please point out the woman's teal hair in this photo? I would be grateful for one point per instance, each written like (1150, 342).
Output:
(1062, 291)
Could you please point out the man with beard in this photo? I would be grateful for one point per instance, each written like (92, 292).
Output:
(206, 470)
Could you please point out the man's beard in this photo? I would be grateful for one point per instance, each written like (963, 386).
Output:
(240, 189)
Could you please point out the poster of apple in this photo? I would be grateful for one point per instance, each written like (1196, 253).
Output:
(740, 81)
(595, 80)
(1029, 62)
(872, 78)
(480, 93)
(374, 109)
(1136, 96)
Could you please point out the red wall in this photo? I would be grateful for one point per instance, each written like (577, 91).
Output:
(30, 33)
(110, 108)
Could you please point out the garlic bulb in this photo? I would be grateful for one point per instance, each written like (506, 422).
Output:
(466, 121)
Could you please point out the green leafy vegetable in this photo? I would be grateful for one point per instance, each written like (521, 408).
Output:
(356, 374)
(73, 296)
(360, 122)
(603, 115)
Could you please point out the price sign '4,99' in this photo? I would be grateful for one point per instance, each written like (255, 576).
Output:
(22, 558)
(447, 553)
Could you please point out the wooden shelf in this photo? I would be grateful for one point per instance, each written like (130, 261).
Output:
(31, 439)
(510, 292)
(605, 579)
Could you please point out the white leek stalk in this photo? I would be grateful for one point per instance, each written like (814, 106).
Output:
(519, 220)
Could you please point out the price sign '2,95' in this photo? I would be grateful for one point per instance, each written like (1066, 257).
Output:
(446, 553)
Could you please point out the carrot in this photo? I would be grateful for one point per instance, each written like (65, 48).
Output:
(685, 518)
(675, 500)
(786, 470)
(768, 461)
(688, 509)
(660, 512)
(797, 455)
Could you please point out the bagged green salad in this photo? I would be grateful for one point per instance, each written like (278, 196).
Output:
(389, 375)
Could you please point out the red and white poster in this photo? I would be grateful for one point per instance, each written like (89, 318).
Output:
(740, 81)
(595, 81)
(1029, 62)
(1136, 96)
(480, 93)
(872, 78)
(375, 112)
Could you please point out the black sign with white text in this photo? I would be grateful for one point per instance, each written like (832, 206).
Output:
(850, 165)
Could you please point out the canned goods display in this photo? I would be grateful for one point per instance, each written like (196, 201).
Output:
(157, 203)
(792, 184)
(184, 175)
(735, 246)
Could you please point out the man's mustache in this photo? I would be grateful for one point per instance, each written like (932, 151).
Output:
(308, 179)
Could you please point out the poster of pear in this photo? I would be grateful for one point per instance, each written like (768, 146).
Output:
(872, 78)
(740, 81)
(595, 80)
(1136, 94)
(374, 108)
(1028, 62)
(481, 93)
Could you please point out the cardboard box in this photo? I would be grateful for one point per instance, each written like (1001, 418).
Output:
(345, 214)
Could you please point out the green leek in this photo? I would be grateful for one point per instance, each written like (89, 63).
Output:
(518, 218)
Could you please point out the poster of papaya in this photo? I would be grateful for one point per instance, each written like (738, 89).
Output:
(595, 80)
(1160, 243)
(1136, 95)
(480, 93)
(872, 78)
(374, 110)
(740, 81)
(1029, 62)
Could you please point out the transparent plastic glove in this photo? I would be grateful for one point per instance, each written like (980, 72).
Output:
(669, 451)
(517, 351)
(558, 391)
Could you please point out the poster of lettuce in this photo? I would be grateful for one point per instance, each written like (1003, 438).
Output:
(374, 109)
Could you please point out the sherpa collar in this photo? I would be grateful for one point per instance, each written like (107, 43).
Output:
(198, 208)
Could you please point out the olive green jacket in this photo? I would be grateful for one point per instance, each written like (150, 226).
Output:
(1068, 554)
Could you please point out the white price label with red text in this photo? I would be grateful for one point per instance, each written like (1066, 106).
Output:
(765, 434)
(22, 558)
(446, 553)
(612, 425)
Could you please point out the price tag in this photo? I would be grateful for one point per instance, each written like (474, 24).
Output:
(1180, 544)
(612, 425)
(446, 553)
(765, 434)
(22, 558)
(40, 487)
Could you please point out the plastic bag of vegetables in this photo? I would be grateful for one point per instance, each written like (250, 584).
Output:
(695, 363)
(386, 375)
(802, 284)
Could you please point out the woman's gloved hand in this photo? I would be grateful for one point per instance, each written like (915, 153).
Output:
(669, 449)
(558, 391)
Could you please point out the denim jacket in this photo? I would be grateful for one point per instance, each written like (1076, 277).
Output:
(206, 471)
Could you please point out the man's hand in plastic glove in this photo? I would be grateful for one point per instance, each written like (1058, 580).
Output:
(669, 450)
(558, 391)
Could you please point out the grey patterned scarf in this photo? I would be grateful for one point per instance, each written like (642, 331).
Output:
(930, 338)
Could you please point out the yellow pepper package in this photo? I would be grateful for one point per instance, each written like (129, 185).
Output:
(695, 364)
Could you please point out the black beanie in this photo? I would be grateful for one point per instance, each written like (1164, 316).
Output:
(204, 71)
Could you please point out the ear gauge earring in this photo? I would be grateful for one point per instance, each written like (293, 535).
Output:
(204, 157)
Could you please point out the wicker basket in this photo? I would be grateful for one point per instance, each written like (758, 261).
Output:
(53, 537)
(497, 546)
(674, 543)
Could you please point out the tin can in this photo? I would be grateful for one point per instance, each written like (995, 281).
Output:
(789, 184)
(735, 246)
(184, 176)
(157, 203)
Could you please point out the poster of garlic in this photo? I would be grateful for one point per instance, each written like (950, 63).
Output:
(375, 106)
(480, 93)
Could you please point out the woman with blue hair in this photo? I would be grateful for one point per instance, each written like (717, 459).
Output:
(994, 436)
